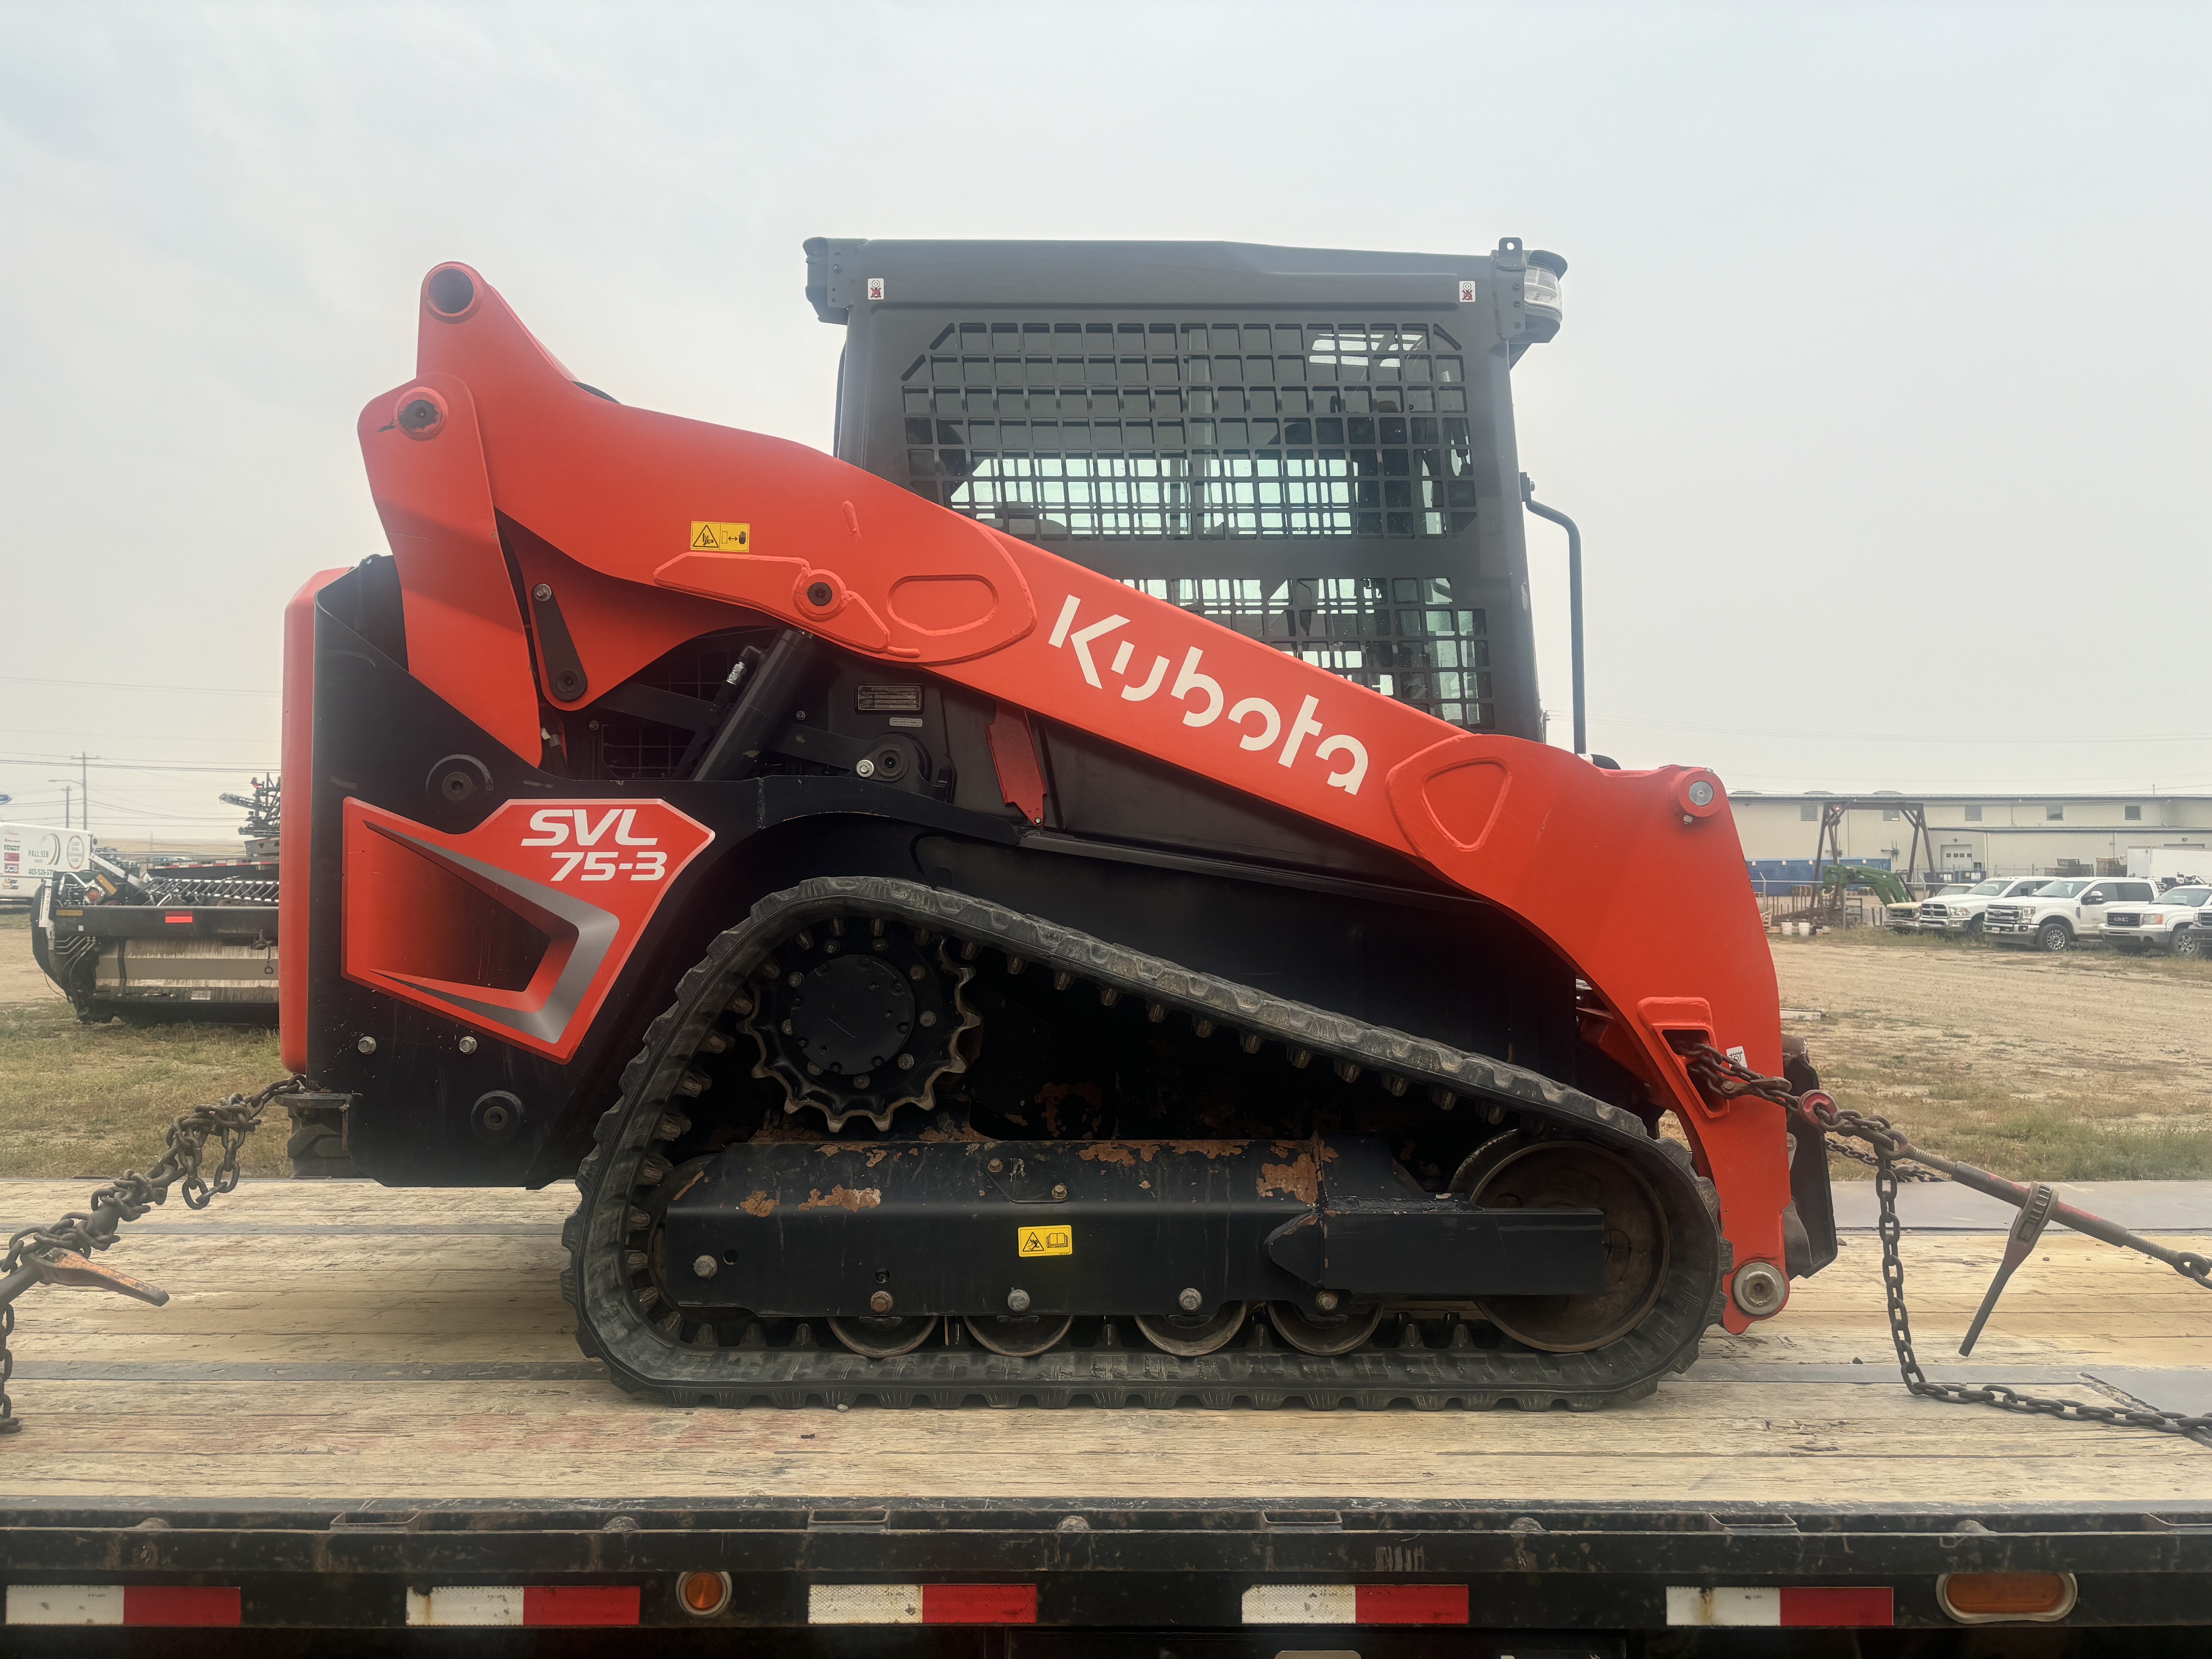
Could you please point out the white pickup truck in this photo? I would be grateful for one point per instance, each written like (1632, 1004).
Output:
(1959, 909)
(2063, 912)
(2169, 923)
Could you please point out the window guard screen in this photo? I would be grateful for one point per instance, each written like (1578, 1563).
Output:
(1193, 430)
(1401, 635)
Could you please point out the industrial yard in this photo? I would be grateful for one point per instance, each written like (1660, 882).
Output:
(2090, 1066)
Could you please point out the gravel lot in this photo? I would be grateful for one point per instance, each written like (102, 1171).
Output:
(2083, 1066)
(20, 978)
(2087, 1067)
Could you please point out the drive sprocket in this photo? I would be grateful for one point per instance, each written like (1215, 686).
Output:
(858, 1018)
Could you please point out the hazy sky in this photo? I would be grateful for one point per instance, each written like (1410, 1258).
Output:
(1882, 396)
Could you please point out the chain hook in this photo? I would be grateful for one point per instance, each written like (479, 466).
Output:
(62, 1254)
(1729, 1080)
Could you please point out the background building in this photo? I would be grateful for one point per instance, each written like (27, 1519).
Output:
(1998, 835)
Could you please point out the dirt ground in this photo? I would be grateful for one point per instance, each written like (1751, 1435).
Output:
(96, 1100)
(20, 978)
(2085, 1066)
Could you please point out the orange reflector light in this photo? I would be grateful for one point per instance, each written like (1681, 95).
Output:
(1977, 1598)
(704, 1593)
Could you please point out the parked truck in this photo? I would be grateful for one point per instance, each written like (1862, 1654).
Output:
(2061, 914)
(2169, 923)
(1960, 910)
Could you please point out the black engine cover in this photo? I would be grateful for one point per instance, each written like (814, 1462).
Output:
(806, 1229)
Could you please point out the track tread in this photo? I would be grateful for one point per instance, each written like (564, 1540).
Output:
(643, 1361)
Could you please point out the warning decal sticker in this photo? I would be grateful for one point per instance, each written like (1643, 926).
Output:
(713, 536)
(1044, 1241)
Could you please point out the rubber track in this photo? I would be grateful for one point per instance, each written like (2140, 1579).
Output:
(641, 1358)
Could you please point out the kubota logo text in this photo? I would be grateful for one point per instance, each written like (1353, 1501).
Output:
(1258, 722)
(557, 826)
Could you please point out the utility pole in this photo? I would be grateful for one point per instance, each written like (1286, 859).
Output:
(68, 789)
(84, 780)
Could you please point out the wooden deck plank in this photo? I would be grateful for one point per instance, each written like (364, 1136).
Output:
(1762, 1419)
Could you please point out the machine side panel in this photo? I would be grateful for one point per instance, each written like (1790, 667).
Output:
(295, 853)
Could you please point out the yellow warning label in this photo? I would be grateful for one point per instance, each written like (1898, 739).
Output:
(1044, 1241)
(713, 536)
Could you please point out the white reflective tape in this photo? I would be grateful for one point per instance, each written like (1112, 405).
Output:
(458, 1605)
(864, 1604)
(64, 1604)
(1301, 1604)
(1688, 1604)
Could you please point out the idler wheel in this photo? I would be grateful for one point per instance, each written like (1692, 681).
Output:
(1190, 1335)
(1574, 1175)
(1323, 1338)
(885, 1338)
(1019, 1337)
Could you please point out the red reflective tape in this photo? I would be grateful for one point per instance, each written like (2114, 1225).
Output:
(183, 918)
(979, 1604)
(180, 1604)
(1409, 1604)
(580, 1604)
(1859, 1606)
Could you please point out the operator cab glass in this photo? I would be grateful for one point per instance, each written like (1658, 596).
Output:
(1312, 448)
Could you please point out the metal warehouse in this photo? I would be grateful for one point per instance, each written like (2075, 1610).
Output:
(1997, 834)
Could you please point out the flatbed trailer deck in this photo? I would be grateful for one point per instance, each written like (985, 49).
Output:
(363, 1407)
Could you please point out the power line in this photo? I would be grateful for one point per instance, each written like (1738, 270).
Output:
(137, 766)
(78, 735)
(129, 685)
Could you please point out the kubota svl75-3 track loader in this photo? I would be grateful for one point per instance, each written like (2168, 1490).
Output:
(1066, 899)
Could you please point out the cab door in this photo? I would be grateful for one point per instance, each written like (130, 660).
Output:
(2089, 908)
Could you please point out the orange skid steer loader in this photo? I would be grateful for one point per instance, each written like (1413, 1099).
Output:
(1065, 900)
